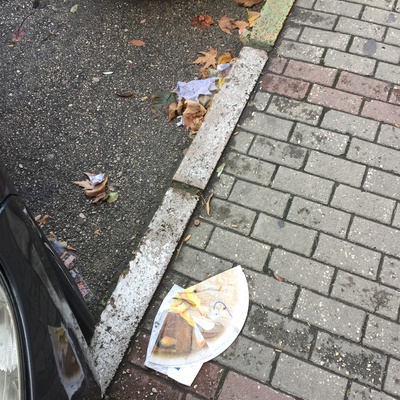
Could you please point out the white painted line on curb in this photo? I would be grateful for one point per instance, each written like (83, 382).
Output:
(129, 301)
(220, 121)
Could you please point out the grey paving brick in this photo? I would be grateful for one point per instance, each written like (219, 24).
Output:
(319, 139)
(359, 392)
(335, 168)
(302, 184)
(323, 38)
(383, 183)
(297, 110)
(260, 100)
(330, 315)
(389, 135)
(249, 168)
(363, 203)
(278, 152)
(350, 124)
(313, 18)
(248, 357)
(269, 292)
(200, 234)
(238, 248)
(396, 219)
(281, 233)
(366, 294)
(349, 62)
(268, 125)
(376, 236)
(279, 332)
(349, 359)
(383, 335)
(199, 265)
(388, 72)
(307, 381)
(393, 36)
(392, 384)
(319, 217)
(227, 215)
(241, 141)
(390, 272)
(360, 28)
(339, 7)
(223, 186)
(386, 4)
(301, 271)
(305, 3)
(381, 17)
(374, 155)
(291, 32)
(259, 198)
(300, 51)
(347, 256)
(378, 50)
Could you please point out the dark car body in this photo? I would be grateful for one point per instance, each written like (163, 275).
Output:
(52, 322)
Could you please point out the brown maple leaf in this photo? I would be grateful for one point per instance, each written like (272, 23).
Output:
(248, 3)
(241, 25)
(202, 20)
(209, 59)
(193, 115)
(226, 24)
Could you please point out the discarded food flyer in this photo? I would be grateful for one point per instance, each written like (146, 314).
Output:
(196, 324)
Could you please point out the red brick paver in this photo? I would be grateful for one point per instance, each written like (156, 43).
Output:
(284, 86)
(381, 111)
(238, 387)
(137, 384)
(311, 72)
(363, 86)
(277, 65)
(336, 99)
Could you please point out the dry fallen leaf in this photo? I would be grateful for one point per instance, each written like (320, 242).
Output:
(280, 279)
(97, 232)
(241, 25)
(227, 24)
(208, 203)
(224, 58)
(248, 3)
(187, 238)
(208, 59)
(175, 109)
(137, 42)
(97, 189)
(253, 17)
(203, 21)
(193, 115)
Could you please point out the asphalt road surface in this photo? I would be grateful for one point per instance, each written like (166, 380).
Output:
(60, 115)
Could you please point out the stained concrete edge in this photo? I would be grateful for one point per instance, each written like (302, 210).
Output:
(135, 289)
(270, 23)
(220, 121)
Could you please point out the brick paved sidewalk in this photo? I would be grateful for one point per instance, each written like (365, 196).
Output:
(307, 204)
